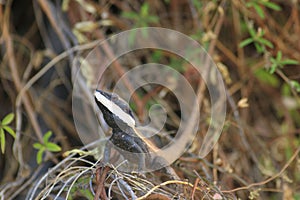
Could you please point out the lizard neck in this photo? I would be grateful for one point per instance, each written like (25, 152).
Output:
(128, 130)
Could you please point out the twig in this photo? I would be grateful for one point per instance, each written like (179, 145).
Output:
(119, 69)
(269, 179)
(51, 64)
(100, 180)
(15, 73)
(194, 188)
(164, 184)
(122, 183)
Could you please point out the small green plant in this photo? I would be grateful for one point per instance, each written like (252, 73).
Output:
(256, 37)
(257, 5)
(278, 62)
(4, 127)
(198, 5)
(45, 146)
(80, 189)
(141, 19)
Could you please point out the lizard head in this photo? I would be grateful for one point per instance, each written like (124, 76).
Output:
(116, 111)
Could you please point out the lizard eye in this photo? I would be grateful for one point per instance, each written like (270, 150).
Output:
(126, 110)
(114, 97)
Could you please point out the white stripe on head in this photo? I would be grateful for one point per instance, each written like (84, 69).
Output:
(115, 109)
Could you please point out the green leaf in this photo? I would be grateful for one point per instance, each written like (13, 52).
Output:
(246, 42)
(265, 42)
(279, 56)
(87, 193)
(289, 62)
(2, 140)
(273, 68)
(252, 32)
(39, 156)
(8, 119)
(273, 60)
(144, 10)
(47, 136)
(259, 10)
(38, 145)
(156, 56)
(271, 5)
(52, 147)
(10, 131)
(130, 15)
(258, 47)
